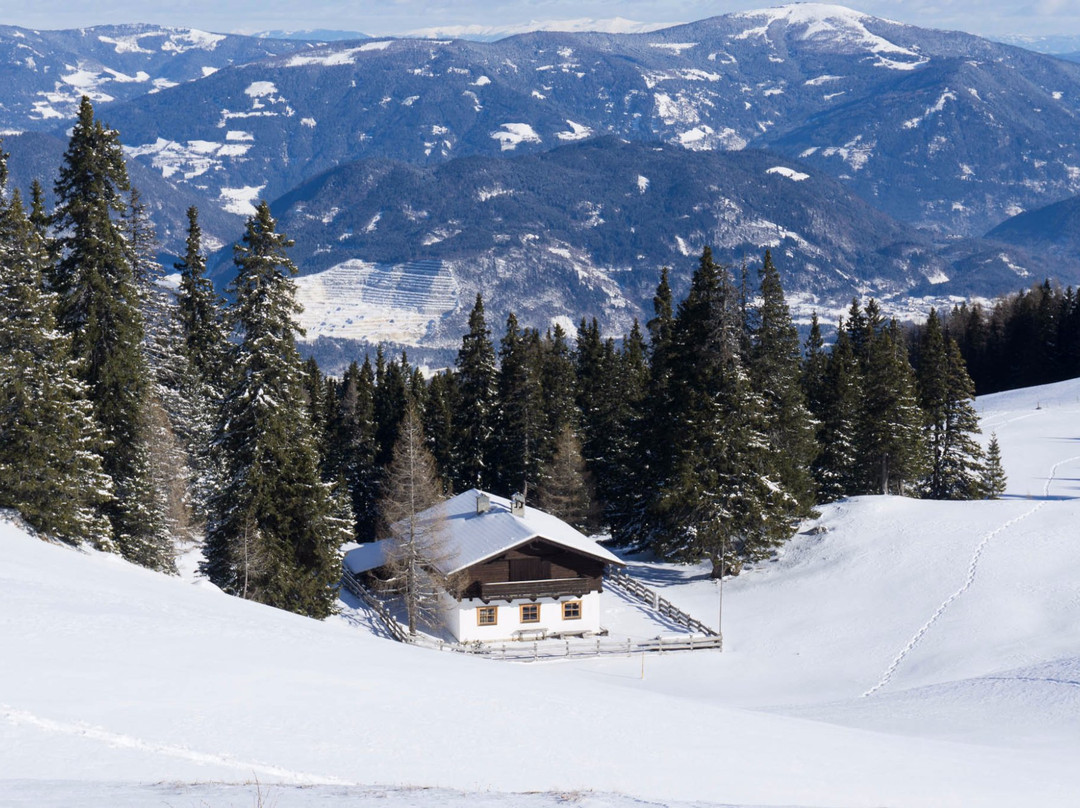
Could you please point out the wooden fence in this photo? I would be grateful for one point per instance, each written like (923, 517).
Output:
(350, 582)
(649, 597)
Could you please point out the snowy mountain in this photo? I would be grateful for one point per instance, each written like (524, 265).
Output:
(905, 653)
(397, 252)
(38, 156)
(489, 33)
(45, 73)
(978, 130)
(1052, 230)
(946, 133)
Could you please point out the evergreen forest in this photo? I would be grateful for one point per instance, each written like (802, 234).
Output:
(134, 419)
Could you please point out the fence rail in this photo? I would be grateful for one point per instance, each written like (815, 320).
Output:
(350, 582)
(621, 580)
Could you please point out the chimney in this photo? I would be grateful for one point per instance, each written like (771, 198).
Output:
(517, 505)
(483, 504)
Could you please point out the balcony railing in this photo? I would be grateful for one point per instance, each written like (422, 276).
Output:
(551, 588)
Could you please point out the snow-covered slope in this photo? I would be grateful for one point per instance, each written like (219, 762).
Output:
(917, 653)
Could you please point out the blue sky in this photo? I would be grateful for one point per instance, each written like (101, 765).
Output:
(1000, 18)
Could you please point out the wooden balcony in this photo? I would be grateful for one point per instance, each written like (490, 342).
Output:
(551, 588)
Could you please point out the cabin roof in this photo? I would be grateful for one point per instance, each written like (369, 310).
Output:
(473, 537)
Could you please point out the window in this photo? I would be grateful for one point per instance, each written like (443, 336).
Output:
(530, 613)
(487, 615)
(571, 610)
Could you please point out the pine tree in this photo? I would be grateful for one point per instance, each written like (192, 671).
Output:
(392, 394)
(625, 495)
(275, 530)
(840, 400)
(718, 500)
(353, 447)
(814, 368)
(416, 548)
(775, 367)
(99, 309)
(196, 336)
(558, 383)
(50, 466)
(517, 449)
(443, 401)
(651, 455)
(946, 395)
(475, 425)
(892, 451)
(993, 473)
(200, 311)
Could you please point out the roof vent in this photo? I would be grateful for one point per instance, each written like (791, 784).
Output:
(517, 505)
(483, 504)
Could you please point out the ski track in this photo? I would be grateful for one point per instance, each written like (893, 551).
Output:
(24, 718)
(973, 568)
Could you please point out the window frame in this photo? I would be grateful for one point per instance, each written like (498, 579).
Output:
(521, 613)
(481, 610)
(571, 603)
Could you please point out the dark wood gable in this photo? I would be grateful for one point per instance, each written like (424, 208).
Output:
(538, 568)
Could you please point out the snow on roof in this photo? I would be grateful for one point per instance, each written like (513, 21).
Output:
(478, 536)
(365, 557)
(472, 537)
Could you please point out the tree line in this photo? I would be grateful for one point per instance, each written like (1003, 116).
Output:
(1028, 338)
(132, 418)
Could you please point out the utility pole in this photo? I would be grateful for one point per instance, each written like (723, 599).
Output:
(720, 588)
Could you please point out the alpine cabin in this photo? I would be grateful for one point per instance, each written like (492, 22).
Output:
(519, 573)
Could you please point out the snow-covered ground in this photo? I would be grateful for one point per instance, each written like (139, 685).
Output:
(914, 654)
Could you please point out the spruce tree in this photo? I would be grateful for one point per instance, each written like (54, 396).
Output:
(558, 383)
(274, 532)
(946, 395)
(627, 471)
(892, 451)
(718, 500)
(814, 367)
(475, 423)
(443, 401)
(520, 425)
(652, 453)
(200, 309)
(993, 473)
(99, 309)
(392, 394)
(840, 404)
(50, 466)
(198, 333)
(775, 368)
(352, 455)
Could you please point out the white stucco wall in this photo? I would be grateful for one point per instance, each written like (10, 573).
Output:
(460, 619)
